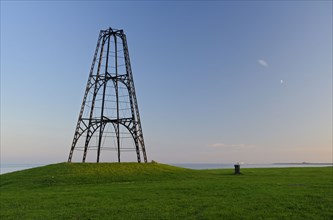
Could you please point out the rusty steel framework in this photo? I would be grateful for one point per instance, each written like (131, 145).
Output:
(109, 109)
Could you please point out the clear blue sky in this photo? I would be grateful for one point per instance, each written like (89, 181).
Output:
(216, 81)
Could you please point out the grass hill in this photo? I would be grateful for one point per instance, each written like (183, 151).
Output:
(69, 174)
(158, 191)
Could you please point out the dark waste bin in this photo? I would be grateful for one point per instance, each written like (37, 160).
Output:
(237, 169)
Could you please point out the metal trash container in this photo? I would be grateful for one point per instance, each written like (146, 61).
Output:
(237, 169)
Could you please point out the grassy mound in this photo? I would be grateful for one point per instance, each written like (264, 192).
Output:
(90, 173)
(157, 191)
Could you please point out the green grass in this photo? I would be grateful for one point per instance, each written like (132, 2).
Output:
(157, 191)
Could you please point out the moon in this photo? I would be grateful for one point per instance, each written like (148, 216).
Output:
(281, 81)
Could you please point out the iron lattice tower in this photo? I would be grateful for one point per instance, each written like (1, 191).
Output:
(109, 110)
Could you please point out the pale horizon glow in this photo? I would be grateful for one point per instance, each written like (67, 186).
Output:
(213, 85)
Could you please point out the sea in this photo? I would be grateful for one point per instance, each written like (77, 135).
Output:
(8, 168)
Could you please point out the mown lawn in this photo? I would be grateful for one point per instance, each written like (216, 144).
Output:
(157, 191)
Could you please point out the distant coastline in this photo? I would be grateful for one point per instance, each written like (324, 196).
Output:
(305, 163)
